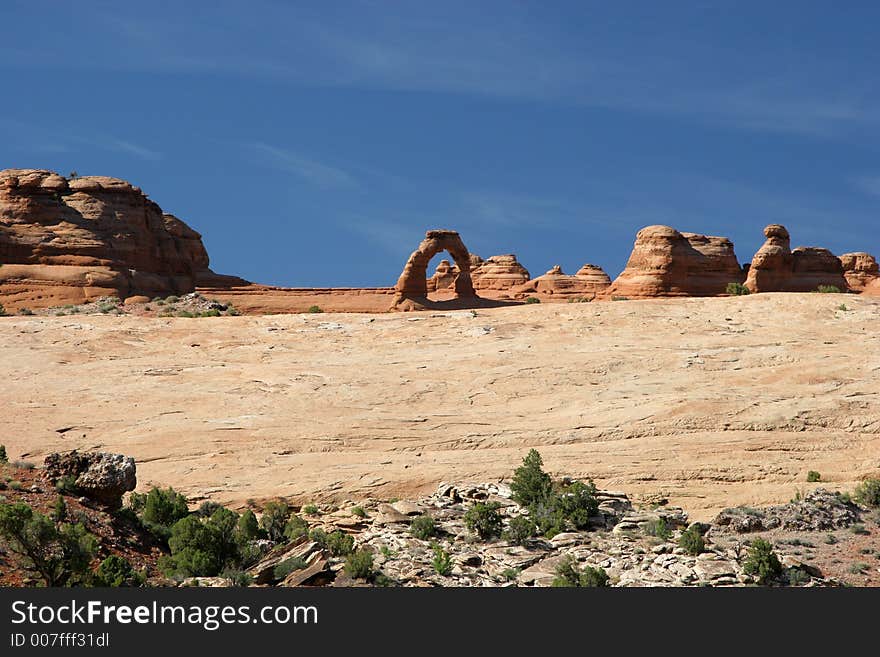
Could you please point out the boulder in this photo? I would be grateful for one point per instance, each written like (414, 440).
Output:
(559, 285)
(667, 263)
(99, 476)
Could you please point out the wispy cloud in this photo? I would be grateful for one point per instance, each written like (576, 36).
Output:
(52, 140)
(316, 173)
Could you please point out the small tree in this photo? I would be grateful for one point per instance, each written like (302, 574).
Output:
(762, 561)
(116, 571)
(248, 528)
(164, 507)
(195, 551)
(60, 555)
(868, 493)
(59, 513)
(274, 519)
(484, 519)
(530, 483)
(295, 528)
(578, 503)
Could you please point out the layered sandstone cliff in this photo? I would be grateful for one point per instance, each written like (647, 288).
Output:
(70, 241)
(499, 272)
(667, 263)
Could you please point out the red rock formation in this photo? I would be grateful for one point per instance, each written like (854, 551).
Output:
(860, 270)
(776, 268)
(557, 285)
(68, 241)
(412, 286)
(499, 272)
(444, 276)
(665, 263)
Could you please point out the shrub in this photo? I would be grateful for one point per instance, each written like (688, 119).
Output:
(359, 564)
(310, 510)
(620, 298)
(813, 476)
(3, 457)
(867, 493)
(484, 520)
(441, 562)
(59, 554)
(797, 576)
(66, 485)
(237, 578)
(25, 311)
(185, 313)
(172, 299)
(530, 300)
(548, 517)
(59, 513)
(859, 568)
(2, 311)
(423, 527)
(194, 550)
(296, 528)
(359, 512)
(691, 541)
(762, 561)
(23, 465)
(15, 484)
(340, 544)
(163, 507)
(315, 309)
(274, 519)
(828, 289)
(520, 530)
(530, 483)
(737, 289)
(567, 574)
(858, 529)
(510, 574)
(843, 307)
(288, 566)
(116, 571)
(658, 528)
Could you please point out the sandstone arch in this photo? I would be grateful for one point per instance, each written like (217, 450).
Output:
(412, 286)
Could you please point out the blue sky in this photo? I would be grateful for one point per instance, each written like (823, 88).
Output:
(314, 143)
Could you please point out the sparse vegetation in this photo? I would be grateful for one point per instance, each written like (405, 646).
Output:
(315, 309)
(288, 566)
(295, 528)
(843, 307)
(3, 457)
(658, 528)
(359, 512)
(116, 571)
(359, 564)
(530, 300)
(337, 543)
(568, 574)
(423, 527)
(310, 510)
(828, 289)
(274, 519)
(692, 541)
(27, 312)
(441, 562)
(737, 289)
(66, 485)
(520, 530)
(859, 568)
(813, 476)
(762, 562)
(867, 493)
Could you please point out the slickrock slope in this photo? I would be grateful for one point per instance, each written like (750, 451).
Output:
(667, 263)
(70, 241)
(709, 402)
(776, 268)
(860, 270)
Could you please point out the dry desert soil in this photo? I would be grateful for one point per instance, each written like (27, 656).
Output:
(705, 402)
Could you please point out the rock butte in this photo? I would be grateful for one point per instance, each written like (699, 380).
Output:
(68, 241)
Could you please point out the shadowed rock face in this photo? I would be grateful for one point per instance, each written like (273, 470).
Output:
(667, 263)
(776, 268)
(412, 286)
(70, 241)
(860, 270)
